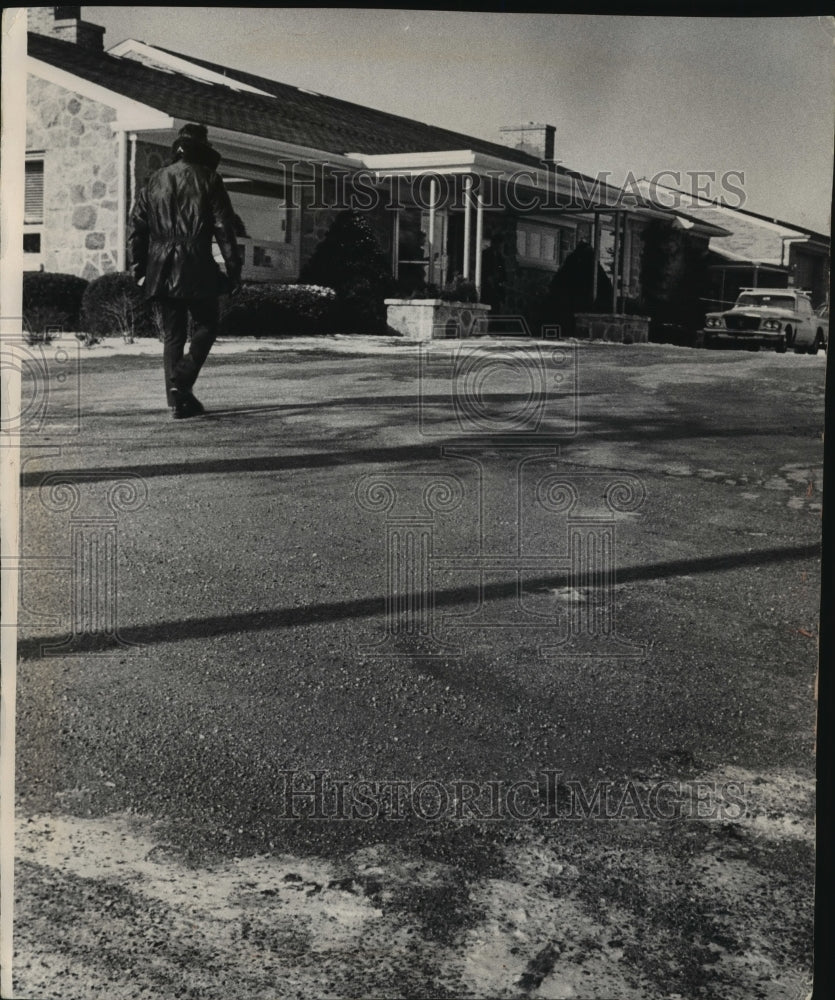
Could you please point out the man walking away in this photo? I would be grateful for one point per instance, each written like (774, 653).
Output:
(177, 213)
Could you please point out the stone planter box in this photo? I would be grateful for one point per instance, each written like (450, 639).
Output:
(436, 319)
(615, 327)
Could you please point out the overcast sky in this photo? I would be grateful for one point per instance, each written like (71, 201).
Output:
(640, 94)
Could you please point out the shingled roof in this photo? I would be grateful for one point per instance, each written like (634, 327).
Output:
(291, 115)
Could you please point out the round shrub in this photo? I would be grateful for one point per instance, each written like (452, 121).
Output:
(52, 300)
(114, 304)
(271, 309)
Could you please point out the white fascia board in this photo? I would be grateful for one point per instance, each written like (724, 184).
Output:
(264, 151)
(445, 161)
(497, 164)
(740, 258)
(274, 147)
(463, 161)
(130, 114)
(176, 64)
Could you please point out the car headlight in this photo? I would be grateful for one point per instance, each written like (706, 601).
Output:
(714, 321)
(771, 324)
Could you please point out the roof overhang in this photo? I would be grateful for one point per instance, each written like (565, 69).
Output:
(748, 266)
(260, 151)
(734, 261)
(557, 187)
(446, 161)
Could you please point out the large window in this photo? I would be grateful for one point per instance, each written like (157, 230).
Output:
(539, 245)
(259, 216)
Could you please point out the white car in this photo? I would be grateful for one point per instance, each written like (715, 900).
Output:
(769, 317)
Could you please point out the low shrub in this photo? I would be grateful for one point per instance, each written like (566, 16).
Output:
(459, 290)
(425, 291)
(114, 304)
(51, 301)
(271, 309)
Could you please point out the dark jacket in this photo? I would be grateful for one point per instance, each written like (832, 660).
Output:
(175, 217)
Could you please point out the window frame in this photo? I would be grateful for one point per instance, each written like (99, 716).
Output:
(33, 260)
(530, 233)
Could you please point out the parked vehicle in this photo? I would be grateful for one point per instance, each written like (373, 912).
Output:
(823, 319)
(769, 317)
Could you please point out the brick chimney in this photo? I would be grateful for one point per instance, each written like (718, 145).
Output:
(65, 23)
(533, 138)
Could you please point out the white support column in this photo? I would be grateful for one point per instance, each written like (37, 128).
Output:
(121, 201)
(433, 197)
(468, 186)
(626, 263)
(616, 261)
(479, 228)
(132, 173)
(395, 245)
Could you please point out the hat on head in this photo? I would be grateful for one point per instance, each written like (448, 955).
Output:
(197, 133)
(192, 142)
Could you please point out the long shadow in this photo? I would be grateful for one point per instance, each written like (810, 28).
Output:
(262, 463)
(419, 451)
(648, 428)
(407, 401)
(367, 607)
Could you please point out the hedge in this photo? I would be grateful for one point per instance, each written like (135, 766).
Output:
(278, 310)
(52, 301)
(114, 305)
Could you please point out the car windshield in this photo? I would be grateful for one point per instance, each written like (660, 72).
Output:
(767, 301)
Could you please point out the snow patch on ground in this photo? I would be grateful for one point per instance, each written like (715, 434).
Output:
(109, 909)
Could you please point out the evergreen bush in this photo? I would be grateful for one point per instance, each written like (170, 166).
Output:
(349, 260)
(51, 301)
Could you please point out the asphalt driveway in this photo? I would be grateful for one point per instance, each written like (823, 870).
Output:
(316, 692)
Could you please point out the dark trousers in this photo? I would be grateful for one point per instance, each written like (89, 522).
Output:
(181, 369)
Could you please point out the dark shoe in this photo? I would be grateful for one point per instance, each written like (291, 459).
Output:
(183, 405)
(193, 402)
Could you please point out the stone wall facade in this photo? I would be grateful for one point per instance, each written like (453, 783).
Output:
(80, 149)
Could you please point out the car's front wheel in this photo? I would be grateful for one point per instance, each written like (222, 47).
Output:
(783, 343)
